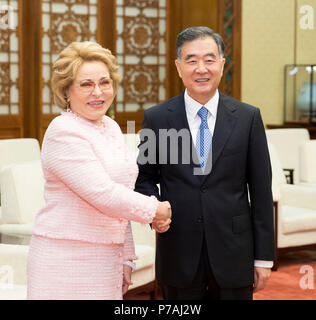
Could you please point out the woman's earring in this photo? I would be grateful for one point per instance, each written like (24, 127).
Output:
(68, 106)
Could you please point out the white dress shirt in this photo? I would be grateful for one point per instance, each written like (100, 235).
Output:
(192, 107)
(194, 120)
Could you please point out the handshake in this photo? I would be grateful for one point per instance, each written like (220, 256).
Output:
(162, 220)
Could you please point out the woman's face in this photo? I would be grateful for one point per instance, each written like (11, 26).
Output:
(91, 93)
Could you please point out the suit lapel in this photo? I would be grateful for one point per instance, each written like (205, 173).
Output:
(177, 119)
(225, 123)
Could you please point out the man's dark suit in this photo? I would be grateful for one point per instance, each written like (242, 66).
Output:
(215, 205)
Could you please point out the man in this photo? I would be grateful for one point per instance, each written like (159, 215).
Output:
(220, 241)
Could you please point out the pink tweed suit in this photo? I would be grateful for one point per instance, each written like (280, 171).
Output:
(82, 236)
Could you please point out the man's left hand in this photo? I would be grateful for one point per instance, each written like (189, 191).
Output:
(261, 278)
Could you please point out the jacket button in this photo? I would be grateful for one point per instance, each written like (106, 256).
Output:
(203, 189)
(199, 219)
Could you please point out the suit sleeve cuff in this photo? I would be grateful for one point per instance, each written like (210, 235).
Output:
(263, 264)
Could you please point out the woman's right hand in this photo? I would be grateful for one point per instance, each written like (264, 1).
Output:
(162, 220)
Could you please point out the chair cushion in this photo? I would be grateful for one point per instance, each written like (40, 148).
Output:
(15, 292)
(306, 184)
(145, 266)
(145, 244)
(278, 177)
(142, 277)
(143, 234)
(297, 219)
(19, 150)
(22, 192)
(15, 256)
(145, 255)
(307, 161)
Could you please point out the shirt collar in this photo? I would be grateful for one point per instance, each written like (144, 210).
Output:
(192, 106)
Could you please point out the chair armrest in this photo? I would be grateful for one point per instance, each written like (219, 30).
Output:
(276, 193)
(23, 230)
(298, 196)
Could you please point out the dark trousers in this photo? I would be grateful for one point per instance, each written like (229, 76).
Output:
(204, 286)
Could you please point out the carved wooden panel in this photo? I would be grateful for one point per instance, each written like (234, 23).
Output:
(42, 28)
(10, 116)
(224, 17)
(63, 21)
(141, 53)
(230, 30)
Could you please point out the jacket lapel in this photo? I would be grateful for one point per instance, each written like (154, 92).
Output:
(177, 119)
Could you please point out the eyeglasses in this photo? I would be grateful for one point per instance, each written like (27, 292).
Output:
(87, 86)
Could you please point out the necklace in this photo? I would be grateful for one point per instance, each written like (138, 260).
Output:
(100, 126)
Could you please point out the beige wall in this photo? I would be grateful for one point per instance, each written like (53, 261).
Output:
(306, 39)
(268, 43)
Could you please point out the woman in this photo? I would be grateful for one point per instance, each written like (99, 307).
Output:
(82, 245)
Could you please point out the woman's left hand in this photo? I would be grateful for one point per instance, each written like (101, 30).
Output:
(127, 275)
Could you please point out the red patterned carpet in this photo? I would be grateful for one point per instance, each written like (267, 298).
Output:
(296, 271)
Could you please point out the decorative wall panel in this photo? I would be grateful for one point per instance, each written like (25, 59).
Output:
(9, 58)
(228, 37)
(141, 53)
(63, 21)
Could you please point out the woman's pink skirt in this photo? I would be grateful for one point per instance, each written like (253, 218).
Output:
(76, 270)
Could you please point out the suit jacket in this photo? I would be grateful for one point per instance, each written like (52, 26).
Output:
(237, 229)
(90, 177)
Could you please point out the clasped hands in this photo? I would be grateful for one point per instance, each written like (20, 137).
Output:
(162, 220)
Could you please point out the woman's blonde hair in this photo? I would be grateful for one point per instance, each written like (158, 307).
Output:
(68, 62)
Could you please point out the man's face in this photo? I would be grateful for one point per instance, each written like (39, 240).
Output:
(200, 68)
